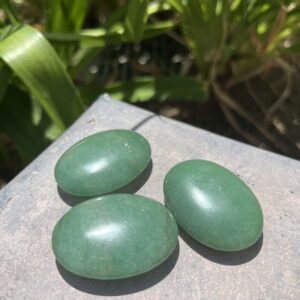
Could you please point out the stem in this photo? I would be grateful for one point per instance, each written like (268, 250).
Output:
(286, 92)
(234, 123)
(219, 50)
(231, 104)
(279, 21)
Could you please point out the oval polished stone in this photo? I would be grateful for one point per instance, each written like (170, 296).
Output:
(114, 236)
(213, 205)
(102, 163)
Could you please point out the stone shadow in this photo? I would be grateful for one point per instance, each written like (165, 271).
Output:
(121, 286)
(130, 188)
(223, 257)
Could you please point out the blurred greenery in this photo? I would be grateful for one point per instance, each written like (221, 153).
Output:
(49, 51)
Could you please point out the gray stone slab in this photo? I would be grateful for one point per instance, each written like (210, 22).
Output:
(31, 205)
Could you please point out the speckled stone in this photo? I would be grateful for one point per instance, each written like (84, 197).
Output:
(213, 205)
(115, 236)
(102, 163)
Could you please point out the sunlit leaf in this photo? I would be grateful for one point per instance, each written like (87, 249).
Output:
(101, 37)
(34, 61)
(158, 28)
(143, 89)
(177, 4)
(66, 16)
(160, 88)
(37, 112)
(136, 19)
(52, 132)
(155, 7)
(7, 30)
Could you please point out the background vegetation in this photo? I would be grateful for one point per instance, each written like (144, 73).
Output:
(211, 63)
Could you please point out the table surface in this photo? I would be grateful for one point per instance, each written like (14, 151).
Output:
(30, 206)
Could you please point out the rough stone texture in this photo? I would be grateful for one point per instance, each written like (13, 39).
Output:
(31, 205)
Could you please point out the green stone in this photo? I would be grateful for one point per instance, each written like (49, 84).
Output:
(102, 163)
(213, 205)
(114, 236)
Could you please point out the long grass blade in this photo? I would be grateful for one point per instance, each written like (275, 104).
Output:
(100, 37)
(35, 62)
(10, 11)
(67, 16)
(177, 4)
(136, 19)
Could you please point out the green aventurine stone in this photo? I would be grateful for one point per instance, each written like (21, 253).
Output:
(115, 236)
(102, 163)
(213, 205)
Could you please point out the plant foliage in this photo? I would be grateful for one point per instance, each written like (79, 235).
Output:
(46, 45)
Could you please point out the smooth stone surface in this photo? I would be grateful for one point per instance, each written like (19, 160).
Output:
(115, 236)
(102, 163)
(213, 205)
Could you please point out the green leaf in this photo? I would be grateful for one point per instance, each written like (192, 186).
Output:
(160, 88)
(4, 79)
(136, 19)
(35, 62)
(203, 25)
(10, 11)
(100, 37)
(37, 112)
(116, 17)
(155, 7)
(16, 122)
(158, 28)
(66, 16)
(177, 4)
(7, 30)
(88, 38)
(143, 89)
(52, 132)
